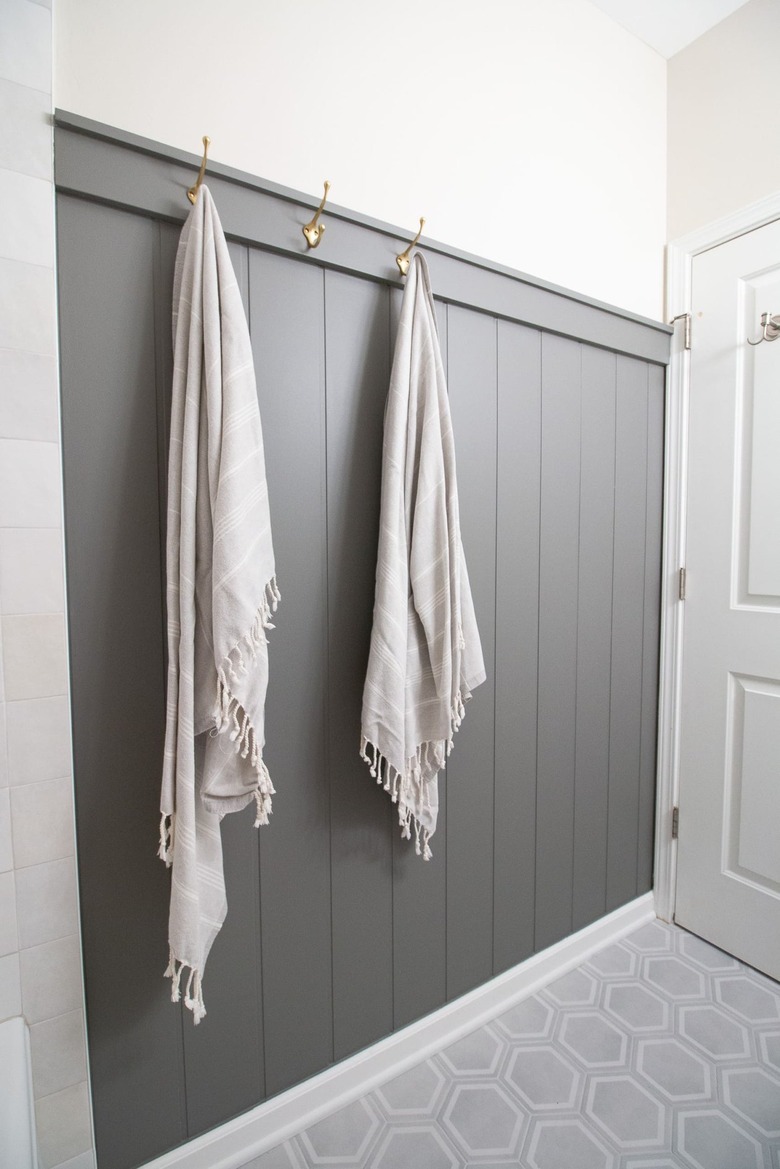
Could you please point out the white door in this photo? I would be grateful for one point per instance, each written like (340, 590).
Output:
(728, 874)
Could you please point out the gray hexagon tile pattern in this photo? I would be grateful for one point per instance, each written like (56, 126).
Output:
(660, 1052)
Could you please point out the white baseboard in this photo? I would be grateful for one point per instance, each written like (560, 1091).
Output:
(238, 1141)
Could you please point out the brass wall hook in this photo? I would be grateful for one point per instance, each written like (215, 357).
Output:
(403, 260)
(770, 329)
(314, 231)
(192, 194)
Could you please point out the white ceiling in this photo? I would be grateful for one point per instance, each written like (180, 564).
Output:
(668, 25)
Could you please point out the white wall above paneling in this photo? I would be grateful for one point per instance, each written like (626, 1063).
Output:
(532, 134)
(724, 92)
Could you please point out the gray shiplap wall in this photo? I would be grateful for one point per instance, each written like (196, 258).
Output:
(336, 932)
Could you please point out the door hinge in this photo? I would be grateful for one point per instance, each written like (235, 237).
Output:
(675, 823)
(687, 318)
(681, 584)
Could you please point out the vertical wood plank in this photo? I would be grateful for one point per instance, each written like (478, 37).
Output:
(471, 344)
(109, 416)
(224, 1061)
(357, 347)
(517, 646)
(594, 631)
(288, 339)
(627, 629)
(420, 889)
(652, 623)
(558, 611)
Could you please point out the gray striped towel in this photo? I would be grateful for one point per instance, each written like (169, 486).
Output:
(221, 591)
(425, 657)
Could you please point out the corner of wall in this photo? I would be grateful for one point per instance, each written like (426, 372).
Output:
(40, 951)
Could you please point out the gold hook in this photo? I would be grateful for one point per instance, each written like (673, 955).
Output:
(313, 231)
(403, 260)
(192, 194)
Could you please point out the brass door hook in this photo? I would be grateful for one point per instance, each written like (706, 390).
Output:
(314, 231)
(192, 194)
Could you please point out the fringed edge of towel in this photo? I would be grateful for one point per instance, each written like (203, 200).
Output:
(165, 851)
(228, 709)
(429, 758)
(193, 992)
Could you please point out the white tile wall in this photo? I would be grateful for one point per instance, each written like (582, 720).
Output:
(3, 734)
(9, 937)
(40, 955)
(25, 145)
(28, 400)
(31, 570)
(58, 1053)
(27, 222)
(46, 906)
(30, 482)
(38, 737)
(42, 822)
(51, 980)
(6, 848)
(25, 291)
(10, 987)
(63, 1125)
(84, 1160)
(25, 45)
(34, 661)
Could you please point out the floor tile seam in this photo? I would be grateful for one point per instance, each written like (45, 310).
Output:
(460, 1151)
(530, 1037)
(730, 1110)
(721, 1111)
(559, 1119)
(319, 1162)
(447, 1096)
(665, 1105)
(609, 1066)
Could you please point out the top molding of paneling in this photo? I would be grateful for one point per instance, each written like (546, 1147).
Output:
(123, 170)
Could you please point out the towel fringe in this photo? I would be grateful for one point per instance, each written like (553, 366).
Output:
(193, 994)
(428, 758)
(229, 713)
(165, 851)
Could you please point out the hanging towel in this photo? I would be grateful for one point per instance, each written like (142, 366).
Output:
(221, 592)
(425, 657)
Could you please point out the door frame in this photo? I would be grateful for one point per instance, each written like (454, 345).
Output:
(679, 262)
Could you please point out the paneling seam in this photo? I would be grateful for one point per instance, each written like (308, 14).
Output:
(447, 801)
(576, 666)
(644, 634)
(534, 929)
(611, 637)
(327, 647)
(495, 645)
(161, 415)
(258, 850)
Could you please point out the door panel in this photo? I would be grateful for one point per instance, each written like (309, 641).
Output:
(728, 885)
(751, 850)
(760, 455)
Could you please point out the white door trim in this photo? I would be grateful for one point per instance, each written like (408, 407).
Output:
(679, 261)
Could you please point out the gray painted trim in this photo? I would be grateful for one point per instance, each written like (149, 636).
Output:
(127, 171)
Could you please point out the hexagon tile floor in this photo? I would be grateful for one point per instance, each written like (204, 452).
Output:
(660, 1052)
